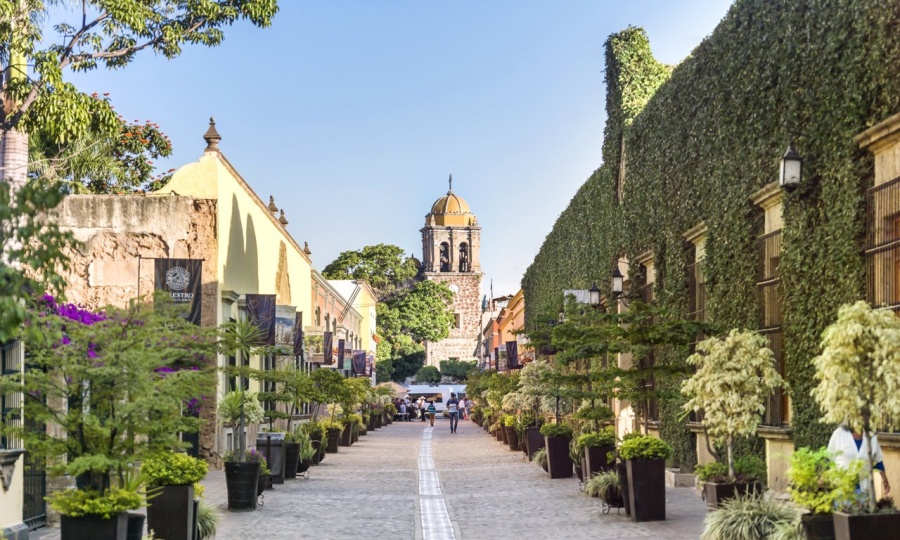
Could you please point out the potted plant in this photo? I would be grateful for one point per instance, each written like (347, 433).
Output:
(512, 436)
(333, 431)
(170, 515)
(556, 439)
(238, 408)
(734, 378)
(605, 485)
(718, 486)
(264, 481)
(113, 386)
(752, 517)
(597, 447)
(858, 373)
(576, 454)
(818, 485)
(540, 459)
(308, 453)
(315, 430)
(645, 460)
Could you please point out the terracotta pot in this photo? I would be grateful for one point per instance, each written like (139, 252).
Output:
(647, 489)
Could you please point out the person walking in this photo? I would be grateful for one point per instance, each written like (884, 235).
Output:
(453, 410)
(431, 412)
(469, 405)
(848, 445)
(462, 408)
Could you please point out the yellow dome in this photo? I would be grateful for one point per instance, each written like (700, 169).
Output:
(450, 204)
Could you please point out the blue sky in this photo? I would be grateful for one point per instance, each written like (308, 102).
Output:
(352, 113)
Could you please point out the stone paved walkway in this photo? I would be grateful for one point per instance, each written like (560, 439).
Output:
(372, 491)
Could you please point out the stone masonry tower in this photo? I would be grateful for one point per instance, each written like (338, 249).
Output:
(451, 241)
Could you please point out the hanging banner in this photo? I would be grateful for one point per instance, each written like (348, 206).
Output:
(512, 355)
(298, 336)
(497, 357)
(327, 349)
(370, 364)
(261, 309)
(181, 280)
(359, 363)
(340, 354)
(285, 318)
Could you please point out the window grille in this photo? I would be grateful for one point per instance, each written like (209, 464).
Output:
(11, 403)
(883, 245)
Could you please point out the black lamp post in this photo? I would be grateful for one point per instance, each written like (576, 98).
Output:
(618, 282)
(791, 169)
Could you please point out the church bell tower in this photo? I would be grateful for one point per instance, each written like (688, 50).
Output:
(451, 242)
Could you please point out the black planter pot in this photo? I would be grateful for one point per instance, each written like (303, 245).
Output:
(716, 493)
(378, 420)
(318, 445)
(818, 526)
(170, 514)
(560, 464)
(370, 422)
(534, 441)
(242, 480)
(354, 433)
(866, 526)
(647, 489)
(291, 458)
(346, 435)
(622, 471)
(263, 483)
(82, 528)
(503, 435)
(135, 526)
(363, 430)
(595, 459)
(522, 445)
(303, 466)
(512, 438)
(334, 439)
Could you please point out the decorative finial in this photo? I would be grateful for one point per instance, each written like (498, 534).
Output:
(451, 185)
(306, 248)
(212, 136)
(272, 207)
(281, 219)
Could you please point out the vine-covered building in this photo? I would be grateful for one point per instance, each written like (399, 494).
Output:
(451, 245)
(687, 202)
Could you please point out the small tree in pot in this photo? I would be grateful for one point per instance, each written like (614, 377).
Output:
(734, 378)
(170, 514)
(859, 377)
(817, 484)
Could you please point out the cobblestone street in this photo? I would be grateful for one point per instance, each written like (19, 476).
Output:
(375, 490)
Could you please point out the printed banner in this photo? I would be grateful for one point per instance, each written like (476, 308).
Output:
(359, 363)
(512, 355)
(181, 279)
(298, 336)
(261, 309)
(285, 317)
(370, 364)
(497, 357)
(327, 349)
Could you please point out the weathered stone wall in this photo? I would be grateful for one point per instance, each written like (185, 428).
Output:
(120, 235)
(467, 303)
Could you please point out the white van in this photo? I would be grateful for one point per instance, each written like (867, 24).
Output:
(438, 394)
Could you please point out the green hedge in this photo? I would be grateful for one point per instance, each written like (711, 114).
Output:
(815, 71)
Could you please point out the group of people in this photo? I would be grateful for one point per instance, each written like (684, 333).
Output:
(423, 409)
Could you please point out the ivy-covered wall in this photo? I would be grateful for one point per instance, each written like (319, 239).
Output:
(698, 143)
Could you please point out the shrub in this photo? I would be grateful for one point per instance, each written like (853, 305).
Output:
(645, 447)
(541, 459)
(816, 483)
(603, 437)
(173, 469)
(556, 430)
(604, 485)
(711, 472)
(87, 502)
(207, 520)
(748, 518)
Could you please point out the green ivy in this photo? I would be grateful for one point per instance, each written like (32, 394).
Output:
(699, 139)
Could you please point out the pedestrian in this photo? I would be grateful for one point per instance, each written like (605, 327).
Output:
(847, 445)
(403, 414)
(462, 408)
(453, 410)
(431, 412)
(421, 403)
(469, 406)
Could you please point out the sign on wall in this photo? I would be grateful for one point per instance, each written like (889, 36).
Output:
(181, 279)
(285, 318)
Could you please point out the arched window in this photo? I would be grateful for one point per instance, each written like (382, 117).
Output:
(464, 257)
(445, 257)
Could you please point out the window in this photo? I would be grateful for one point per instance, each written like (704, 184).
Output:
(883, 245)
(649, 360)
(458, 320)
(770, 304)
(10, 403)
(464, 257)
(445, 257)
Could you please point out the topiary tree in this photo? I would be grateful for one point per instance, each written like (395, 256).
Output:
(428, 375)
(859, 374)
(735, 375)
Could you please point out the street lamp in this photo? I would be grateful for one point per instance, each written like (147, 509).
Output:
(791, 167)
(618, 282)
(561, 317)
(594, 295)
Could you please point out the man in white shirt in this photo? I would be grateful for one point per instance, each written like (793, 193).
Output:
(847, 445)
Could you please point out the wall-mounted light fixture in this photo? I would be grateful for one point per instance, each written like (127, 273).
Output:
(791, 169)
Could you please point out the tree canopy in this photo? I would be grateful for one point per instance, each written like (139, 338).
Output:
(428, 375)
(383, 266)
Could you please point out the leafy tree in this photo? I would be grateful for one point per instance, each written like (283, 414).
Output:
(384, 369)
(424, 311)
(101, 162)
(428, 375)
(456, 369)
(113, 383)
(407, 365)
(383, 266)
